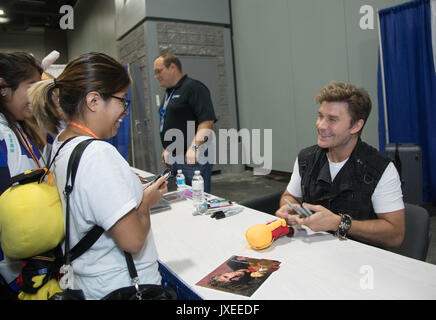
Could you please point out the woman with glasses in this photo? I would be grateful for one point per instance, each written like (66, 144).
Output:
(92, 93)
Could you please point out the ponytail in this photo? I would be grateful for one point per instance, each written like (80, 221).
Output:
(44, 109)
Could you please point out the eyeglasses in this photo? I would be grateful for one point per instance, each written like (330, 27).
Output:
(157, 71)
(126, 102)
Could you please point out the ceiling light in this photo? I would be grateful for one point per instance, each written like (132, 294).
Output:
(1, 12)
(4, 20)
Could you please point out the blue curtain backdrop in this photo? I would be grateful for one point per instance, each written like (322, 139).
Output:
(121, 139)
(410, 83)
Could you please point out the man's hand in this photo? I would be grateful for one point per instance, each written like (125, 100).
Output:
(201, 136)
(287, 213)
(165, 155)
(191, 156)
(321, 220)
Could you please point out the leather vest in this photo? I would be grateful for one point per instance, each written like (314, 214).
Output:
(353, 186)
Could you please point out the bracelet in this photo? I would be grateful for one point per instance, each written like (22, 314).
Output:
(194, 147)
(344, 226)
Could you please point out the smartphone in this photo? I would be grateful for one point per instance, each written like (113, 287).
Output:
(166, 174)
(220, 204)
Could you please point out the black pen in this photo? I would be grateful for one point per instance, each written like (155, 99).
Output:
(226, 212)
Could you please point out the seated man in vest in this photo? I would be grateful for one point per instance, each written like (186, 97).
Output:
(349, 186)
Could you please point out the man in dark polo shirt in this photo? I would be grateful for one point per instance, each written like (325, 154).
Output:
(187, 107)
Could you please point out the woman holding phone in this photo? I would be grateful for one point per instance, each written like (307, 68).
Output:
(92, 93)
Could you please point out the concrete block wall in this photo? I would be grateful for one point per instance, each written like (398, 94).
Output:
(199, 40)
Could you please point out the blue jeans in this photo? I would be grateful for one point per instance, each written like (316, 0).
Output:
(188, 171)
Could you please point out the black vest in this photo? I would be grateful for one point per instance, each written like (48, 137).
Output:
(353, 186)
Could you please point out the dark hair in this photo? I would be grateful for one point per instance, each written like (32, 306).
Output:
(88, 72)
(359, 103)
(169, 58)
(243, 281)
(16, 67)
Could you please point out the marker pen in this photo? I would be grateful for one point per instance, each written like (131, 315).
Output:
(300, 211)
(227, 212)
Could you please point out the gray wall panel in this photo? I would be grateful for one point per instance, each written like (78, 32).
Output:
(210, 11)
(94, 29)
(286, 51)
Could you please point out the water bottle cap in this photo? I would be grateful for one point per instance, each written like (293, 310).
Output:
(179, 171)
(197, 172)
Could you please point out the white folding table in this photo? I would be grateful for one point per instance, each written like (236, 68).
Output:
(313, 265)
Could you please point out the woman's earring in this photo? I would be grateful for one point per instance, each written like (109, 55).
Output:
(3, 94)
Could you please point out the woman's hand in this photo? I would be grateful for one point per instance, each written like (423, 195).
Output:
(131, 230)
(153, 193)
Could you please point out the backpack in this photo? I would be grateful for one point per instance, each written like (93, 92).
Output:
(32, 229)
(31, 218)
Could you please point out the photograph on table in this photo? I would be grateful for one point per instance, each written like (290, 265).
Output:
(240, 275)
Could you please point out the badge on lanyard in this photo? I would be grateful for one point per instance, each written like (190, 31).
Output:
(163, 109)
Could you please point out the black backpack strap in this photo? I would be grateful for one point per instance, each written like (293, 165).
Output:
(73, 164)
(85, 243)
(27, 177)
(131, 265)
(57, 152)
(36, 174)
(94, 234)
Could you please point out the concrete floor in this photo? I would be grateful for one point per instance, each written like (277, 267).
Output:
(243, 186)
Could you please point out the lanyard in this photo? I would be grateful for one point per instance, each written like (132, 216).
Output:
(28, 146)
(163, 109)
(83, 128)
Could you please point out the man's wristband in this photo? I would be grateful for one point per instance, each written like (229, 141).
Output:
(195, 147)
(344, 226)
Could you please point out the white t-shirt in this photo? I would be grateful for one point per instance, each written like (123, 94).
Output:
(18, 159)
(105, 190)
(387, 196)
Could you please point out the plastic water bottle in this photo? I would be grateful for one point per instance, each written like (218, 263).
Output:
(180, 180)
(197, 189)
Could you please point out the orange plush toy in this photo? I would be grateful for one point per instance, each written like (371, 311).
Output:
(261, 236)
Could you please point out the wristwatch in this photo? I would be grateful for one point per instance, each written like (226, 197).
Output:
(344, 226)
(195, 147)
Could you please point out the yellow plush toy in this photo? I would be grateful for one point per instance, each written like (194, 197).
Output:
(43, 293)
(31, 220)
(261, 236)
(31, 227)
